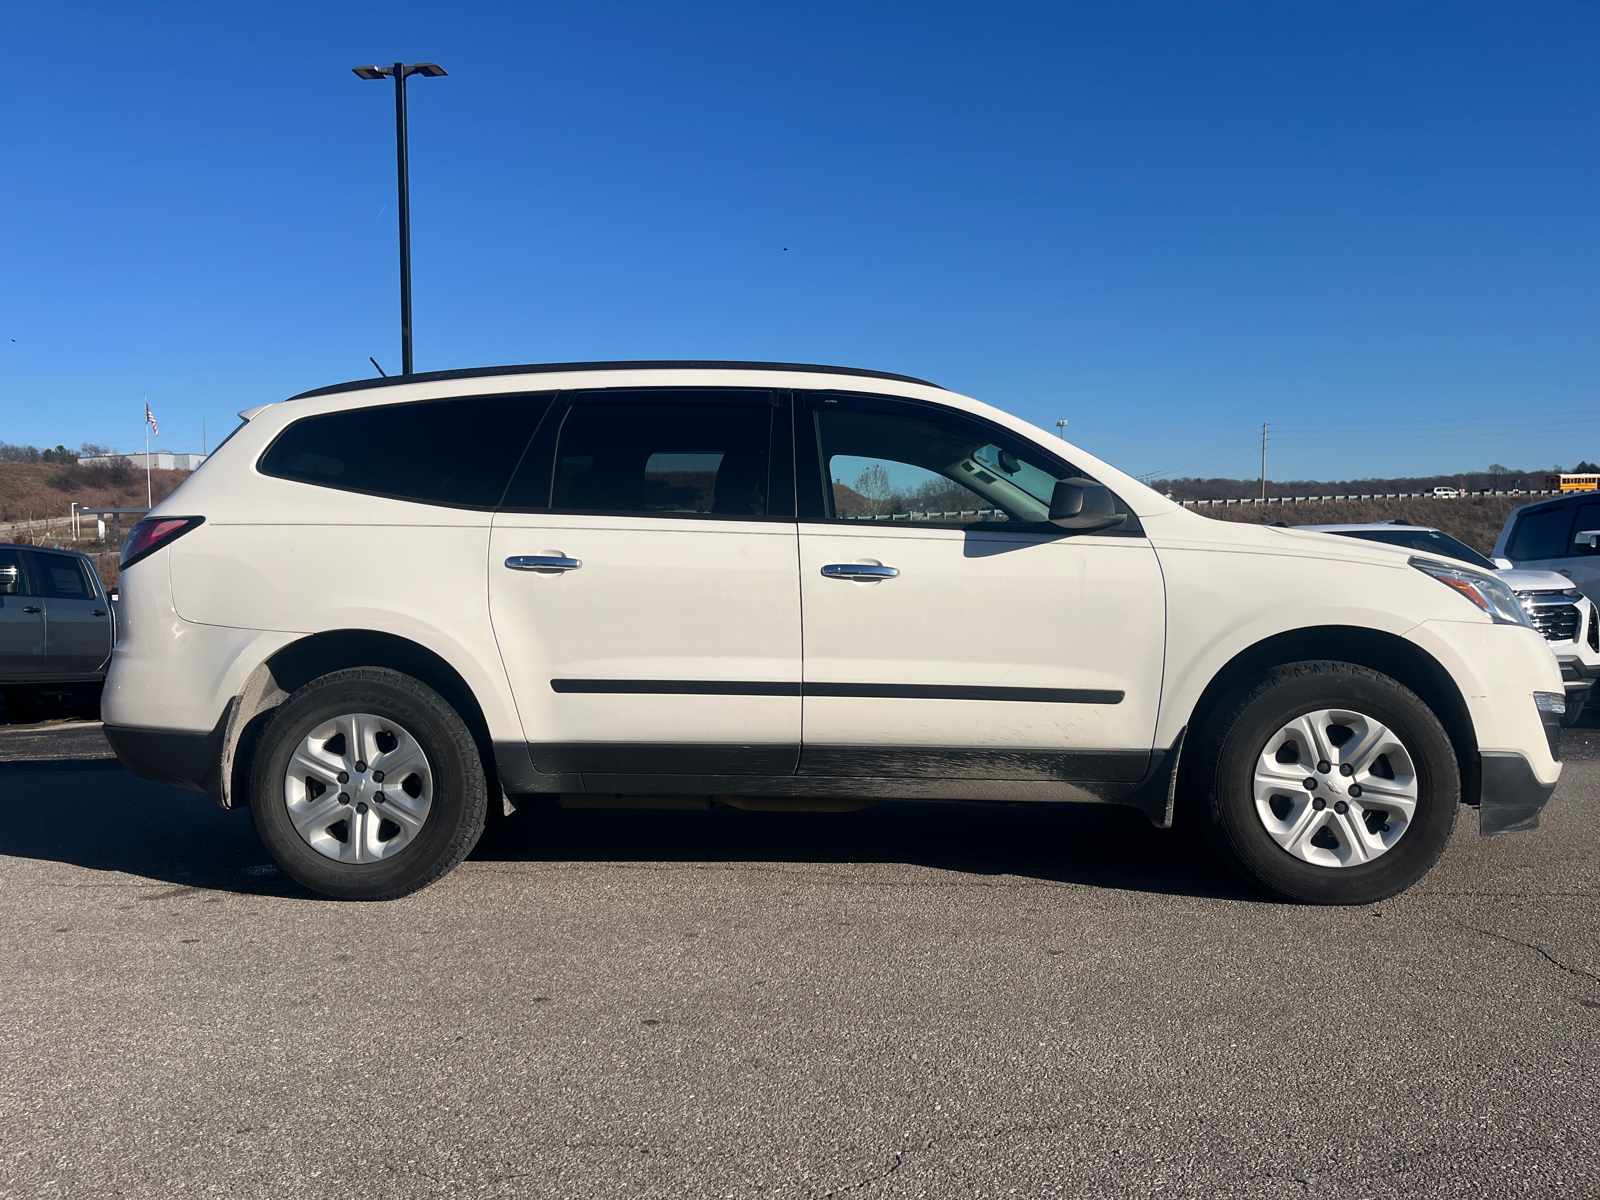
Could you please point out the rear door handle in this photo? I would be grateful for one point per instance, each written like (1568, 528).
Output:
(551, 564)
(33, 608)
(858, 571)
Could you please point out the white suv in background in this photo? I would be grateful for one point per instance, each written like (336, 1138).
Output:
(1563, 614)
(381, 606)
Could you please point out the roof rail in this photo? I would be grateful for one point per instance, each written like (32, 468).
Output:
(357, 385)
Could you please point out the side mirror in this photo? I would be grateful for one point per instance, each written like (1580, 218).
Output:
(1083, 506)
(10, 580)
(1588, 540)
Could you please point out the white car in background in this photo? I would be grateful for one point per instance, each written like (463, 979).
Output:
(380, 607)
(1559, 610)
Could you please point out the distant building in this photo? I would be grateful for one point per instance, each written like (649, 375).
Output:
(160, 460)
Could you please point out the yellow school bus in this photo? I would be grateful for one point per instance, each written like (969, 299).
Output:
(1571, 483)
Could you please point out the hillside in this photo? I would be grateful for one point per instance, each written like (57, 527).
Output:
(1475, 520)
(35, 491)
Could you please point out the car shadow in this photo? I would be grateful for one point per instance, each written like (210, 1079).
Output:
(1092, 845)
(90, 813)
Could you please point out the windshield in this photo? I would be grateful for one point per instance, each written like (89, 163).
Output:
(1430, 541)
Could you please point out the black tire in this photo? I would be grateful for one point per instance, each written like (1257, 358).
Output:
(454, 821)
(1233, 741)
(1576, 703)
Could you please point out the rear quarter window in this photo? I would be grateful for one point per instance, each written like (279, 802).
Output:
(459, 453)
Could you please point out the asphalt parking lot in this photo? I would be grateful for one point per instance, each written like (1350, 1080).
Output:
(913, 1000)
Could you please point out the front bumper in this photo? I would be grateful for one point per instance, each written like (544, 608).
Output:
(1511, 796)
(1578, 677)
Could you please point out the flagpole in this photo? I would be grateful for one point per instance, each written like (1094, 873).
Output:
(149, 492)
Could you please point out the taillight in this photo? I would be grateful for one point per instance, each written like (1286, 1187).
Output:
(152, 533)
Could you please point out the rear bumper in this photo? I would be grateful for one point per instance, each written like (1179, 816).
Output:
(1511, 797)
(178, 757)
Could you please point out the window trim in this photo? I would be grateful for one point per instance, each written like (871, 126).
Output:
(261, 458)
(819, 502)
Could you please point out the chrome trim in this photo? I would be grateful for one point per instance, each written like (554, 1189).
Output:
(549, 564)
(859, 571)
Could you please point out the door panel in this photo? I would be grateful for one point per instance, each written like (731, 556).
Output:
(679, 632)
(22, 633)
(991, 654)
(649, 617)
(77, 617)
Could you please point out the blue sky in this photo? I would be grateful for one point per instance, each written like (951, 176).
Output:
(1373, 225)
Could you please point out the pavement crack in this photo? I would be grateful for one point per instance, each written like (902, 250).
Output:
(1539, 950)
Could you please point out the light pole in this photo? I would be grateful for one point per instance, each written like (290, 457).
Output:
(1061, 429)
(400, 72)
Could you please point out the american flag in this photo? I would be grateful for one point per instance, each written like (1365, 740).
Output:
(150, 419)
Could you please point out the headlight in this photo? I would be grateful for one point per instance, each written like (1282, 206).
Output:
(1487, 592)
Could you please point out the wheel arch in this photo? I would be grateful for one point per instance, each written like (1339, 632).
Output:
(1379, 650)
(318, 654)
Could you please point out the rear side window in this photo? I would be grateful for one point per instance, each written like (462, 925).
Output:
(458, 453)
(1541, 535)
(64, 578)
(666, 458)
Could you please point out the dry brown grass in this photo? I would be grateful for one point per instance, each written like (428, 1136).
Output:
(1476, 520)
(33, 491)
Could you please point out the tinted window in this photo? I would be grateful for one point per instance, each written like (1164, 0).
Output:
(1588, 518)
(1541, 534)
(454, 452)
(1429, 540)
(885, 463)
(63, 577)
(23, 586)
(665, 457)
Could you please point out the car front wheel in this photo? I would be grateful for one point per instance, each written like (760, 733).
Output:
(367, 785)
(1329, 783)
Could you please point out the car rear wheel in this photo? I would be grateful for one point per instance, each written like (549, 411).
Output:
(1329, 783)
(367, 785)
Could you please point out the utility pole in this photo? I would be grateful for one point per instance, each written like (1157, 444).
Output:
(1263, 460)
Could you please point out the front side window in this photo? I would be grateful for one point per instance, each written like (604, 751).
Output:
(885, 462)
(669, 458)
(459, 453)
(1588, 518)
(14, 579)
(1541, 534)
(64, 578)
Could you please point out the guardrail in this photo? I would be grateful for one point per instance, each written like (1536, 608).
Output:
(1355, 496)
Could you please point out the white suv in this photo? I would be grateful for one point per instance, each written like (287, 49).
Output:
(382, 606)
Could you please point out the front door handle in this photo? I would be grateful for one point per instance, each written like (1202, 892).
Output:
(550, 564)
(865, 571)
(33, 608)
(97, 612)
